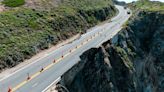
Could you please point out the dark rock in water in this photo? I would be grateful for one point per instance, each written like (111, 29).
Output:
(134, 63)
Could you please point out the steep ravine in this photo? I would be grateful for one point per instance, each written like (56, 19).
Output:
(133, 63)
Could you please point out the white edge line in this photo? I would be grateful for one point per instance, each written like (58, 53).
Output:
(57, 80)
(25, 67)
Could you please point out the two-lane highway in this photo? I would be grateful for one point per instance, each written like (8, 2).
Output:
(65, 57)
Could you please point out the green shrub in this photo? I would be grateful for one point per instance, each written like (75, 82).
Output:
(25, 31)
(13, 3)
(149, 5)
(124, 56)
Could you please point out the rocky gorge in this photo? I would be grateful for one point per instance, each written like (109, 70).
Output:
(132, 61)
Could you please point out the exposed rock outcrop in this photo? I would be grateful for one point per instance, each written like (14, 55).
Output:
(134, 63)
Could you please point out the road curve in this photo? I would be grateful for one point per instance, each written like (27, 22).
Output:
(65, 57)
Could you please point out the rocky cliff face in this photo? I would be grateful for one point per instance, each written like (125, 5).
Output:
(134, 63)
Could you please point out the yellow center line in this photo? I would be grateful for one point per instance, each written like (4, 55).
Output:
(50, 65)
(18, 86)
(35, 75)
(67, 54)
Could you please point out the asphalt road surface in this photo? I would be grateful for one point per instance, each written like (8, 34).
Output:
(65, 57)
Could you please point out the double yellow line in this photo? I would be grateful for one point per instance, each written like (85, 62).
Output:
(54, 62)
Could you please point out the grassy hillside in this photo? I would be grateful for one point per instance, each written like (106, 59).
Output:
(24, 31)
(148, 5)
